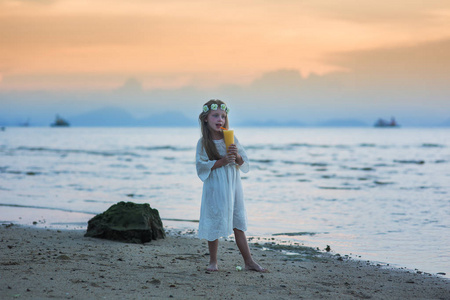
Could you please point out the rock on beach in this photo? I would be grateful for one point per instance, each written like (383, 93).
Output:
(127, 222)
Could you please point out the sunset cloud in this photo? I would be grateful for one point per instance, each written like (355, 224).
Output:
(52, 44)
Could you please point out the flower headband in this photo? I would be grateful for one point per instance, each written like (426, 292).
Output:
(215, 107)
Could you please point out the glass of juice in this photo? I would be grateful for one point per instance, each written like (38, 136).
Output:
(228, 136)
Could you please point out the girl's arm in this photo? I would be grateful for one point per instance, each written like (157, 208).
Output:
(219, 163)
(229, 158)
(239, 159)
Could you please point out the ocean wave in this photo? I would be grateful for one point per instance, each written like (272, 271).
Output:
(412, 161)
(262, 161)
(358, 168)
(16, 172)
(165, 147)
(429, 145)
(338, 188)
(78, 151)
(47, 207)
(295, 146)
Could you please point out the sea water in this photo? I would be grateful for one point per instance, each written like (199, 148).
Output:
(377, 194)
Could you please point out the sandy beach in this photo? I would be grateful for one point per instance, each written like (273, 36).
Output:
(42, 264)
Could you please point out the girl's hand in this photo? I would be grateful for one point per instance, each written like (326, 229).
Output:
(230, 158)
(233, 149)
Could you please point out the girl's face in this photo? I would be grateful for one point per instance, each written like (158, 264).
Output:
(216, 119)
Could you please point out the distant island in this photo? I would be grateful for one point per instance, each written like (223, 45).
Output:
(384, 123)
(60, 122)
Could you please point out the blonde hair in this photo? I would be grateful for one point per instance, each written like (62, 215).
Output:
(207, 141)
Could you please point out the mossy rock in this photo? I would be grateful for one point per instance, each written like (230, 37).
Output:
(127, 222)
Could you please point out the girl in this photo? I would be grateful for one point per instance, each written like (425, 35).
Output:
(222, 210)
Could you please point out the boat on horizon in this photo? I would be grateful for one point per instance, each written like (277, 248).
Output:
(60, 122)
(384, 123)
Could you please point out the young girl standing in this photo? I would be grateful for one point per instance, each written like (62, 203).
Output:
(222, 209)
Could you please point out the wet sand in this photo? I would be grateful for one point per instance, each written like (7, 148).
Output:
(42, 264)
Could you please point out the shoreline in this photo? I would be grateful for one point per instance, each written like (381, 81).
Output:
(46, 218)
(49, 263)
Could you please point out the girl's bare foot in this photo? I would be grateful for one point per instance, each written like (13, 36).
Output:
(212, 267)
(253, 266)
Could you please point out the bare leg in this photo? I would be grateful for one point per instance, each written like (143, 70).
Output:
(213, 247)
(241, 241)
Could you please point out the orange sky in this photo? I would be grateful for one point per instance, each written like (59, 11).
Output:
(79, 44)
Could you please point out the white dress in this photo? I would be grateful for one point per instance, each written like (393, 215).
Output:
(222, 207)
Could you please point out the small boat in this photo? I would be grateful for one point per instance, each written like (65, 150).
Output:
(383, 123)
(60, 122)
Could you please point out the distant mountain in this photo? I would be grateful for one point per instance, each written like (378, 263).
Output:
(272, 123)
(108, 116)
(343, 123)
(167, 119)
(118, 117)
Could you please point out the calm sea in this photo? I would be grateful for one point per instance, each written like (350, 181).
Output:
(378, 194)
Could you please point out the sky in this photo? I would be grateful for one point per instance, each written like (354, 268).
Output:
(309, 60)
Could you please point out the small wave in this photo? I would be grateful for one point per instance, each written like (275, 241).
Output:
(428, 145)
(312, 164)
(295, 233)
(290, 162)
(440, 161)
(318, 164)
(263, 161)
(96, 201)
(165, 147)
(77, 151)
(417, 162)
(293, 146)
(256, 147)
(15, 172)
(135, 196)
(180, 220)
(359, 169)
(338, 188)
(45, 207)
(383, 182)
(118, 166)
(141, 167)
(383, 165)
(299, 145)
(289, 174)
(77, 224)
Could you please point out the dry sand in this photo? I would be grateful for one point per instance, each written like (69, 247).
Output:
(42, 264)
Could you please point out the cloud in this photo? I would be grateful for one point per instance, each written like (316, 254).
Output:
(206, 43)
(408, 81)
(26, 2)
(426, 65)
(373, 11)
(131, 86)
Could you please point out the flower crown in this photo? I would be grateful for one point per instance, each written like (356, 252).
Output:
(215, 107)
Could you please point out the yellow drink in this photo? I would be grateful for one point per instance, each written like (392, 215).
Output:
(228, 136)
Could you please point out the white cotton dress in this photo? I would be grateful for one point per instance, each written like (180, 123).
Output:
(222, 207)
